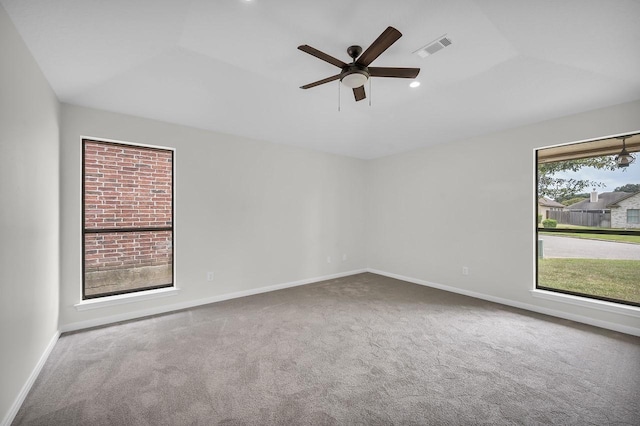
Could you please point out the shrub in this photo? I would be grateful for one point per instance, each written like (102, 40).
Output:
(539, 219)
(549, 223)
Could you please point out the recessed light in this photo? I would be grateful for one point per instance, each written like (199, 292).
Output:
(414, 84)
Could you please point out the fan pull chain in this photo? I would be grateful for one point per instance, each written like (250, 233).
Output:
(370, 92)
(338, 96)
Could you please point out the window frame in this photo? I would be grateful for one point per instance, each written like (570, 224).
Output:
(84, 231)
(637, 216)
(612, 231)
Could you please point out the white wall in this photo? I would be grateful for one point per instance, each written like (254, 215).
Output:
(255, 213)
(29, 236)
(434, 210)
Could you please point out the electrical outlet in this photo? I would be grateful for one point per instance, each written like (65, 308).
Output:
(209, 276)
(465, 270)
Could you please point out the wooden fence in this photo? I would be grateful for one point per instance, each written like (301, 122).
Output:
(602, 220)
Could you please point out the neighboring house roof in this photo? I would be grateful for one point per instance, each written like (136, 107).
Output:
(605, 201)
(615, 204)
(545, 202)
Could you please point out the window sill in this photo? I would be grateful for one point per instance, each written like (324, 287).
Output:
(601, 305)
(125, 298)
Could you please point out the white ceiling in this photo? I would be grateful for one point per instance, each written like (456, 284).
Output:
(232, 65)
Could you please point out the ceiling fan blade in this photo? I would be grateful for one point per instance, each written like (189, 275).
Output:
(382, 43)
(359, 93)
(321, 55)
(319, 82)
(394, 72)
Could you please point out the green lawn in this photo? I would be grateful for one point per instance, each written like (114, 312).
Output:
(616, 279)
(565, 226)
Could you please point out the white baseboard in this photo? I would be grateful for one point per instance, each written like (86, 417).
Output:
(17, 403)
(192, 303)
(635, 331)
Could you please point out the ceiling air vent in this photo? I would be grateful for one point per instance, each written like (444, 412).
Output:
(434, 46)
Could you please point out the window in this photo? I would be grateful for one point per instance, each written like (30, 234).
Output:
(590, 247)
(127, 229)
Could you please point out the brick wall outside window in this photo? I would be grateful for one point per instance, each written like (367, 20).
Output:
(104, 252)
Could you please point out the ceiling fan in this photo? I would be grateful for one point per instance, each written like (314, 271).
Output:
(356, 73)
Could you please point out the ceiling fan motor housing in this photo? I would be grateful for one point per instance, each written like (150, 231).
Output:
(354, 75)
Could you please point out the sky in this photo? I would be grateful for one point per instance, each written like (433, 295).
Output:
(612, 179)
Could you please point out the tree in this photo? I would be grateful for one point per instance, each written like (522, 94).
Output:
(630, 187)
(555, 187)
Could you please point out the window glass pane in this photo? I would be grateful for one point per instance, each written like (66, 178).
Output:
(127, 186)
(587, 227)
(127, 218)
(118, 262)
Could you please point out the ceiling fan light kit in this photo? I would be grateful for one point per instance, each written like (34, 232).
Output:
(354, 79)
(355, 74)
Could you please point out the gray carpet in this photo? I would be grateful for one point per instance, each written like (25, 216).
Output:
(363, 349)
